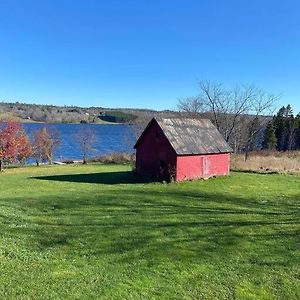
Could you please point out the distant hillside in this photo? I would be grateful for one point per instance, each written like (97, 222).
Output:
(73, 114)
(22, 112)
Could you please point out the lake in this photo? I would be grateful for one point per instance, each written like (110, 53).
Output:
(109, 138)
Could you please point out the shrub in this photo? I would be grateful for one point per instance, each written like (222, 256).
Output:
(115, 158)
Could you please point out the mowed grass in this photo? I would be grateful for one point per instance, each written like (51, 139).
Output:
(94, 232)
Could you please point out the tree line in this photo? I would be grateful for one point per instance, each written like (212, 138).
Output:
(283, 131)
(17, 147)
(64, 114)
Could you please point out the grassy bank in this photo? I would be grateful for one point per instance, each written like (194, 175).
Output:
(268, 162)
(94, 232)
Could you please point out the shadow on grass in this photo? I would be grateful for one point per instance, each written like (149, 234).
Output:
(125, 177)
(187, 223)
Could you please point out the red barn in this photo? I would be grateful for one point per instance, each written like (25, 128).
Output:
(181, 149)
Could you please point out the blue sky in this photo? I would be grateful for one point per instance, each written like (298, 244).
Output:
(132, 53)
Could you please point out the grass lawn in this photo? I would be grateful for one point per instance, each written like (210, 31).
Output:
(92, 232)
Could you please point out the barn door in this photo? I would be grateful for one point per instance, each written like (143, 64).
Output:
(205, 167)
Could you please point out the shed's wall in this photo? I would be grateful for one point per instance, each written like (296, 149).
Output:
(202, 166)
(152, 150)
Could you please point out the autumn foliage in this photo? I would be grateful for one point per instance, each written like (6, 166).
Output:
(44, 142)
(14, 143)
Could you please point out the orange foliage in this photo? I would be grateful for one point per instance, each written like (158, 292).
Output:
(14, 144)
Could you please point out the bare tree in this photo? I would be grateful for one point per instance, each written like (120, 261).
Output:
(191, 105)
(234, 111)
(262, 104)
(226, 105)
(86, 138)
(132, 135)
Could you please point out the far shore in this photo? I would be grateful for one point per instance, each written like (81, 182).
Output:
(27, 121)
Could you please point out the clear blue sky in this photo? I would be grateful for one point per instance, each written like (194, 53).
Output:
(137, 53)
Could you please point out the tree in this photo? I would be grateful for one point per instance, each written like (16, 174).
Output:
(85, 138)
(191, 105)
(286, 129)
(280, 129)
(291, 128)
(14, 144)
(297, 133)
(261, 104)
(45, 140)
(270, 140)
(236, 112)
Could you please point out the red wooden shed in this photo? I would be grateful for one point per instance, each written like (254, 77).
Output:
(181, 149)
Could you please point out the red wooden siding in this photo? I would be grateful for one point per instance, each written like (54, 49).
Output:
(155, 155)
(182, 149)
(202, 166)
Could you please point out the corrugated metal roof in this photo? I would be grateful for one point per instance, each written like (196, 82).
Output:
(193, 136)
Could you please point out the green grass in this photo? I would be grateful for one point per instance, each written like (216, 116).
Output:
(103, 235)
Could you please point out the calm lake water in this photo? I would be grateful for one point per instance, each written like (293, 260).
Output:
(109, 138)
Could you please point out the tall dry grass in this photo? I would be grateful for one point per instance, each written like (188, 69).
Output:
(115, 157)
(268, 162)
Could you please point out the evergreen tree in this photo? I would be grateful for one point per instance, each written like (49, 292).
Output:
(290, 128)
(297, 132)
(270, 140)
(287, 129)
(279, 125)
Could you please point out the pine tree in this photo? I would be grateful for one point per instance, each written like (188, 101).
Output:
(285, 128)
(290, 128)
(279, 125)
(297, 132)
(270, 140)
